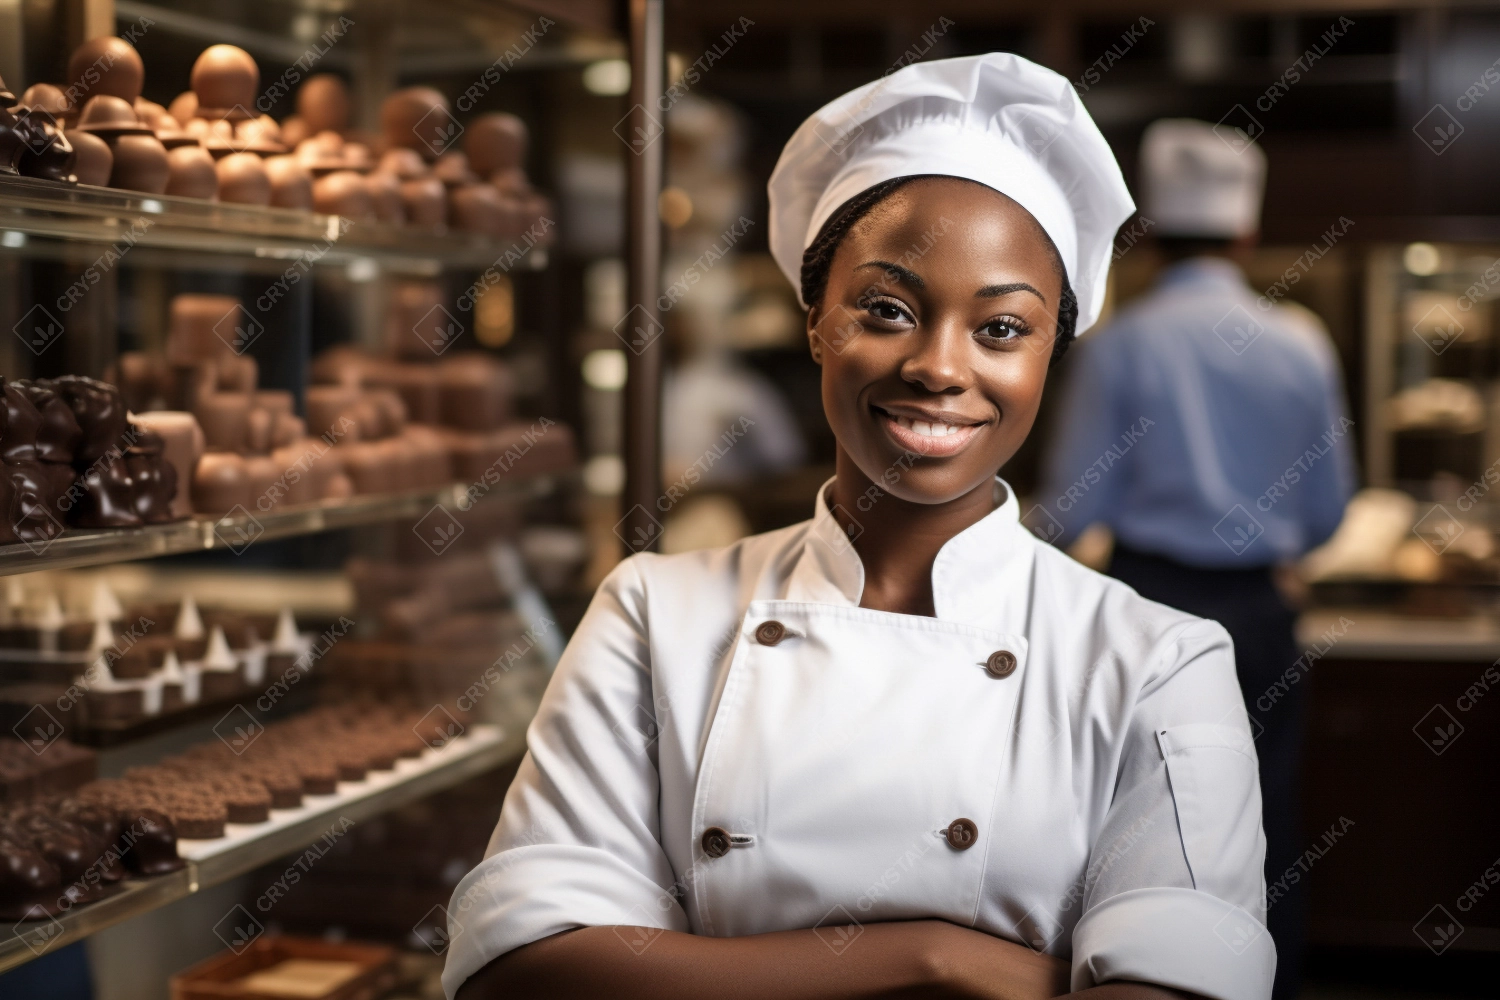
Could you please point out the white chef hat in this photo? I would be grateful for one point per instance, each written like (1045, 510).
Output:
(997, 119)
(1195, 183)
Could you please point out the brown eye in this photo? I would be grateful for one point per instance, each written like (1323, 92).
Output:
(1006, 329)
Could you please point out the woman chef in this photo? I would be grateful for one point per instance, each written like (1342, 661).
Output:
(903, 748)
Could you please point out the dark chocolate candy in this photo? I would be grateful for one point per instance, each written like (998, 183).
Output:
(149, 842)
(29, 883)
(153, 477)
(106, 495)
(100, 413)
(58, 435)
(21, 426)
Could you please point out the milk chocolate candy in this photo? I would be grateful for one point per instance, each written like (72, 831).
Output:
(343, 193)
(477, 391)
(369, 467)
(140, 164)
(287, 428)
(323, 102)
(243, 179)
(417, 118)
(495, 141)
(191, 173)
(220, 483)
(328, 407)
(420, 388)
(225, 419)
(426, 203)
(291, 183)
(264, 474)
(237, 373)
(405, 164)
(452, 168)
(385, 194)
(142, 379)
(417, 326)
(201, 328)
(258, 431)
(106, 65)
(100, 413)
(225, 77)
(297, 472)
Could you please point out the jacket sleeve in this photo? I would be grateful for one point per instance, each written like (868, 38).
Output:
(578, 839)
(1175, 888)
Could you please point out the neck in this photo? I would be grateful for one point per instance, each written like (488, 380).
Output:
(898, 540)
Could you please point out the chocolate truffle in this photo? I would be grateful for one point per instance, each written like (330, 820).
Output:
(495, 141)
(200, 328)
(243, 180)
(291, 184)
(100, 414)
(225, 78)
(343, 193)
(426, 201)
(93, 160)
(452, 168)
(418, 118)
(184, 107)
(404, 163)
(106, 65)
(323, 103)
(191, 173)
(220, 483)
(140, 164)
(385, 195)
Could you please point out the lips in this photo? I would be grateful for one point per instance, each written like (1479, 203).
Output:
(935, 438)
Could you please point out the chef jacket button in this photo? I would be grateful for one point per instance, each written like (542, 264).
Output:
(770, 633)
(1002, 663)
(715, 841)
(961, 834)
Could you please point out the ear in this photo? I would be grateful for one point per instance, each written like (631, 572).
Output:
(814, 340)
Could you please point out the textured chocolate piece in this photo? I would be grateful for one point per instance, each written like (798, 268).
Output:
(29, 883)
(154, 479)
(149, 842)
(22, 424)
(106, 495)
(100, 413)
(58, 434)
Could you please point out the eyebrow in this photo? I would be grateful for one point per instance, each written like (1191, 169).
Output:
(909, 277)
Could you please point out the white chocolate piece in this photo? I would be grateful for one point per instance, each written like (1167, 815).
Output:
(189, 622)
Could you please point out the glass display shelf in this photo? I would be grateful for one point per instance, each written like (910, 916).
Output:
(247, 847)
(74, 548)
(31, 208)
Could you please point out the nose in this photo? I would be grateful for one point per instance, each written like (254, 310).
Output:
(938, 363)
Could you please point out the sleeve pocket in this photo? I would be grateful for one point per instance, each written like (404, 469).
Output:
(1216, 788)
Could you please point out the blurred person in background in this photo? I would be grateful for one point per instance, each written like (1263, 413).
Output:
(1206, 428)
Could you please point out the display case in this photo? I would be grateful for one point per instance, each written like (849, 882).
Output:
(422, 358)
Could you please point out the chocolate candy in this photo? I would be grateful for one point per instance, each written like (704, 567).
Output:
(100, 414)
(58, 433)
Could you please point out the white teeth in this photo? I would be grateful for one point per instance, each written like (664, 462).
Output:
(924, 428)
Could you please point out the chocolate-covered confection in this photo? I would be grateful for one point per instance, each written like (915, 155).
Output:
(100, 414)
(199, 328)
(357, 157)
(20, 425)
(106, 495)
(243, 180)
(291, 183)
(293, 130)
(46, 97)
(104, 826)
(143, 656)
(420, 388)
(236, 372)
(184, 107)
(477, 391)
(104, 705)
(263, 473)
(343, 193)
(182, 445)
(323, 103)
(385, 193)
(49, 155)
(109, 117)
(225, 77)
(106, 65)
(191, 172)
(404, 164)
(426, 202)
(369, 466)
(452, 168)
(93, 160)
(149, 842)
(70, 848)
(156, 117)
(154, 477)
(220, 483)
(479, 208)
(29, 883)
(225, 419)
(417, 118)
(327, 408)
(260, 135)
(495, 141)
(58, 433)
(140, 164)
(258, 432)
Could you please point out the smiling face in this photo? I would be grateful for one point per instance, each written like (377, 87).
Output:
(934, 334)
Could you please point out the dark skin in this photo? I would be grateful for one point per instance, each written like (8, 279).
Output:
(961, 338)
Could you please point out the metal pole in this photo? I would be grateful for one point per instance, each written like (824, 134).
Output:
(641, 329)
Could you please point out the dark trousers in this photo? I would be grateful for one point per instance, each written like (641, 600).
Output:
(1247, 604)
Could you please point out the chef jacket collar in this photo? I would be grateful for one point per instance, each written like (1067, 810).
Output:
(964, 574)
(1206, 269)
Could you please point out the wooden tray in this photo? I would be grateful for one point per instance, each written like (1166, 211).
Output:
(223, 977)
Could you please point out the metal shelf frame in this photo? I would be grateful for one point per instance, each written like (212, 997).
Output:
(74, 549)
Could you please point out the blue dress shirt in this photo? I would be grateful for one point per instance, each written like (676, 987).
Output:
(1205, 424)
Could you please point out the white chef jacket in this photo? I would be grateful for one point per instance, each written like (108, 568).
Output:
(1111, 775)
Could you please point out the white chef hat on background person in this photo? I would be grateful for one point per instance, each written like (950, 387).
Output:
(997, 119)
(1194, 184)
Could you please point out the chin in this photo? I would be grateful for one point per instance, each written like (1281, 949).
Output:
(926, 480)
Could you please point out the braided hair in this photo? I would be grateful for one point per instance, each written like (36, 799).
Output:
(817, 259)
